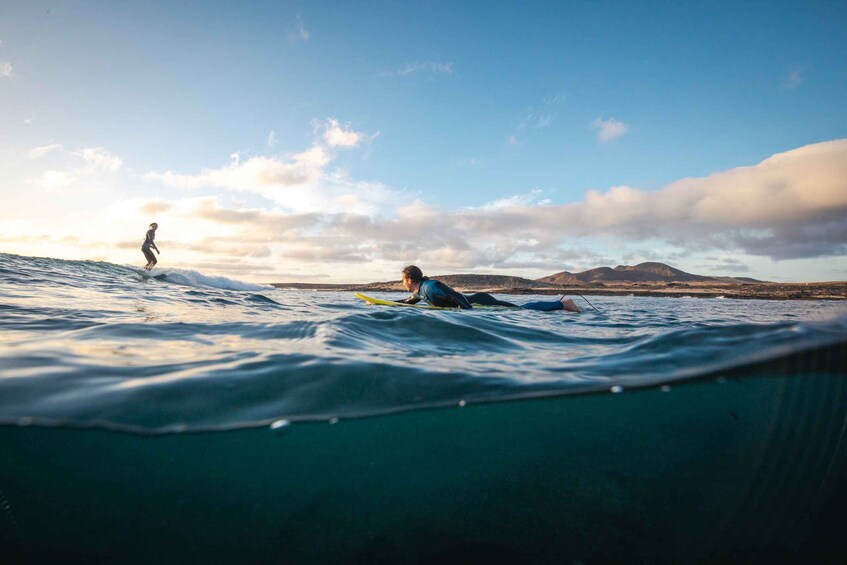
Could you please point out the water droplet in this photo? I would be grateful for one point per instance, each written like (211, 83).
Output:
(462, 403)
(333, 421)
(665, 388)
(25, 421)
(280, 424)
(616, 389)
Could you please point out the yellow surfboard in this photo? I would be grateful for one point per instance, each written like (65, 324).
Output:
(380, 302)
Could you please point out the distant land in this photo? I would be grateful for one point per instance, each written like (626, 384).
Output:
(644, 279)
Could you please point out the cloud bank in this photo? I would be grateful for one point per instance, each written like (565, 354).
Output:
(791, 205)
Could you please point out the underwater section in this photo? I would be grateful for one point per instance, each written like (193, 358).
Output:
(730, 469)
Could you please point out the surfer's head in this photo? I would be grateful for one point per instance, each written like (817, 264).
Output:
(412, 276)
(154, 225)
(413, 273)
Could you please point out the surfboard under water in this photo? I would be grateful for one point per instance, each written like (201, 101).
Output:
(380, 302)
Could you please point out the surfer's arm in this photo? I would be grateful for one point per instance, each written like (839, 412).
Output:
(411, 300)
(148, 240)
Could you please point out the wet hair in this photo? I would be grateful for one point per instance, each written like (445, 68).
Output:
(413, 273)
(154, 224)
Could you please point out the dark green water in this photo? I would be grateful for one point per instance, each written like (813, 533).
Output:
(729, 470)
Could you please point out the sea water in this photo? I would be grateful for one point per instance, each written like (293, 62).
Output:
(188, 417)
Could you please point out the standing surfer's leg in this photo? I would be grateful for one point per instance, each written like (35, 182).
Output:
(151, 259)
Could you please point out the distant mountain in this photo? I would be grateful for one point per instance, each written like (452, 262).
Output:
(649, 272)
(645, 273)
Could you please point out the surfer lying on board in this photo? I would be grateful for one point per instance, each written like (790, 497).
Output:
(439, 294)
(148, 243)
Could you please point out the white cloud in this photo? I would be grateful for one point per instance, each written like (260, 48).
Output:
(28, 121)
(339, 136)
(792, 204)
(255, 174)
(98, 159)
(272, 138)
(5, 69)
(512, 140)
(39, 152)
(428, 66)
(532, 197)
(299, 182)
(610, 129)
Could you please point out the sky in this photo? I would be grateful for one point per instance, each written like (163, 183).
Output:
(340, 141)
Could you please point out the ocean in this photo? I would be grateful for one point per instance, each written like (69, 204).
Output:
(195, 418)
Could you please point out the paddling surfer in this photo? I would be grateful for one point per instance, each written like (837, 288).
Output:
(439, 294)
(148, 243)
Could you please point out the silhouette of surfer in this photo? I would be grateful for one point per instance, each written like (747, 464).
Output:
(148, 243)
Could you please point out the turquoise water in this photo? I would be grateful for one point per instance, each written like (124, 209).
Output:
(203, 419)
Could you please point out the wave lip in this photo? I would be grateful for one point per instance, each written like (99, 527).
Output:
(187, 277)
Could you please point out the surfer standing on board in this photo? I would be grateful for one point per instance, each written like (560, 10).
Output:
(439, 294)
(148, 243)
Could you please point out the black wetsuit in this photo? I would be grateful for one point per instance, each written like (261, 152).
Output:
(148, 243)
(439, 294)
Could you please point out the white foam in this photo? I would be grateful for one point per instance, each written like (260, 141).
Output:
(188, 277)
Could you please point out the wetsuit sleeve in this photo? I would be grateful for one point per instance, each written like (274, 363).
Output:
(457, 298)
(414, 299)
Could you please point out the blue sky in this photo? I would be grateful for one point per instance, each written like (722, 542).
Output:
(339, 141)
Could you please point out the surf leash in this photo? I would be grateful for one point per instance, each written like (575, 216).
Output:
(584, 298)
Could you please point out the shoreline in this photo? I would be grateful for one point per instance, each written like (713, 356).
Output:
(757, 291)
